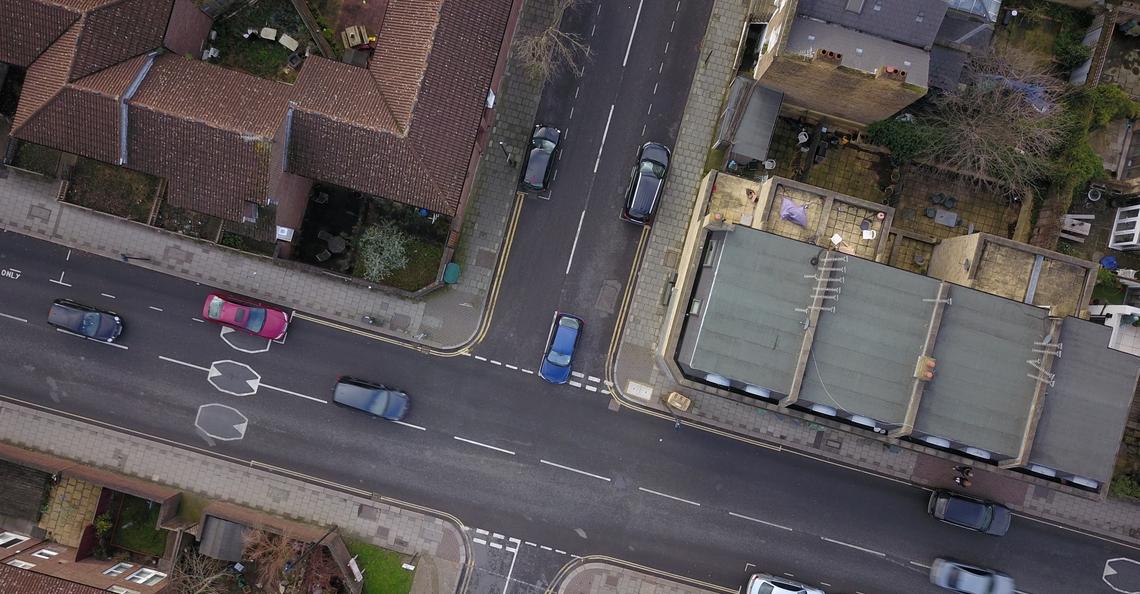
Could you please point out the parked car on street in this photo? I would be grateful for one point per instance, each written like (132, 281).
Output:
(540, 159)
(762, 583)
(84, 320)
(246, 315)
(372, 398)
(645, 184)
(969, 512)
(564, 333)
(968, 579)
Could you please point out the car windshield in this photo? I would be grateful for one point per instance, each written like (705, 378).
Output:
(542, 144)
(215, 310)
(255, 320)
(558, 359)
(90, 324)
(656, 169)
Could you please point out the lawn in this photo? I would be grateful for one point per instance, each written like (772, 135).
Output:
(383, 571)
(422, 267)
(260, 57)
(115, 190)
(135, 527)
(34, 157)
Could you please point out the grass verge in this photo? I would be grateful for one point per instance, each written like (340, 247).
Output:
(383, 571)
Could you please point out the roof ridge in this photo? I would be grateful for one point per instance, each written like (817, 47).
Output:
(70, 52)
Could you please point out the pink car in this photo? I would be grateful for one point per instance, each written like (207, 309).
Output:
(245, 315)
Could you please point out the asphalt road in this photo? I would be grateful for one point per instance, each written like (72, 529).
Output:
(499, 448)
(571, 251)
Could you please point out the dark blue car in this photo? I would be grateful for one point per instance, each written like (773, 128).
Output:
(85, 321)
(540, 159)
(564, 335)
(372, 398)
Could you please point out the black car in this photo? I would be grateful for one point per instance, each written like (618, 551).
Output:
(84, 320)
(645, 183)
(540, 160)
(969, 512)
(372, 398)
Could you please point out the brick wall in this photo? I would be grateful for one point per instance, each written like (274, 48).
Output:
(827, 88)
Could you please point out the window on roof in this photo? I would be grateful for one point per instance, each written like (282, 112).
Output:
(21, 564)
(920, 16)
(9, 540)
(121, 590)
(45, 553)
(146, 576)
(118, 569)
(855, 6)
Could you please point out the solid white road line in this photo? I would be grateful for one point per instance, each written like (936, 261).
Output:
(920, 564)
(604, 134)
(632, 33)
(576, 235)
(107, 295)
(190, 365)
(736, 515)
(858, 548)
(13, 318)
(489, 447)
(409, 425)
(293, 393)
(156, 308)
(548, 463)
(671, 497)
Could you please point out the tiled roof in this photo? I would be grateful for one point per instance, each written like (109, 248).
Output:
(355, 157)
(343, 92)
(188, 29)
(14, 579)
(28, 27)
(85, 117)
(402, 52)
(211, 94)
(455, 88)
(119, 31)
(46, 77)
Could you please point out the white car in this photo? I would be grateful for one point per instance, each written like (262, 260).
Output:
(968, 579)
(762, 583)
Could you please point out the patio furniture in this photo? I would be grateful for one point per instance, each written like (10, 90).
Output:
(938, 198)
(930, 212)
(268, 33)
(289, 43)
(945, 217)
(325, 255)
(321, 198)
(324, 235)
(770, 164)
(920, 258)
(336, 244)
(951, 202)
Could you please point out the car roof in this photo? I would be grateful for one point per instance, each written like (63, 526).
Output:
(566, 333)
(548, 132)
(64, 313)
(966, 511)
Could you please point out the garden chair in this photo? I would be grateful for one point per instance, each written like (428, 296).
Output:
(325, 255)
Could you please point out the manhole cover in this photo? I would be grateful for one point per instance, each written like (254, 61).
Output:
(608, 296)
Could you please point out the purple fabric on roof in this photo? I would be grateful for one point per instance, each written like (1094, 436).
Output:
(796, 214)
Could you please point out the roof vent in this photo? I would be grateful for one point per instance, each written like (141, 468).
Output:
(924, 370)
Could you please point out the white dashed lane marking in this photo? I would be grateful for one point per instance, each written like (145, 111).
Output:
(578, 375)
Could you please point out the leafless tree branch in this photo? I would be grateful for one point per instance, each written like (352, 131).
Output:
(550, 51)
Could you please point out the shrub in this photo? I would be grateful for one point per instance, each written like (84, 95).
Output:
(103, 525)
(1105, 278)
(1109, 103)
(233, 240)
(903, 138)
(1124, 486)
(380, 250)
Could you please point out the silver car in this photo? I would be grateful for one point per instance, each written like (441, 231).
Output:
(762, 583)
(968, 579)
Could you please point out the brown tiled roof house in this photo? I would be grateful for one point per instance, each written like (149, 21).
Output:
(120, 81)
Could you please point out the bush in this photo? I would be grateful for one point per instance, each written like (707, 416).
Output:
(1068, 49)
(1109, 103)
(233, 240)
(1125, 486)
(103, 525)
(381, 250)
(904, 139)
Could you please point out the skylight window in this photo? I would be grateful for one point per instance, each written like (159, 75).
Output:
(855, 6)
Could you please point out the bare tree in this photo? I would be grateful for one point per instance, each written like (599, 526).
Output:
(269, 552)
(196, 573)
(1003, 126)
(549, 52)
